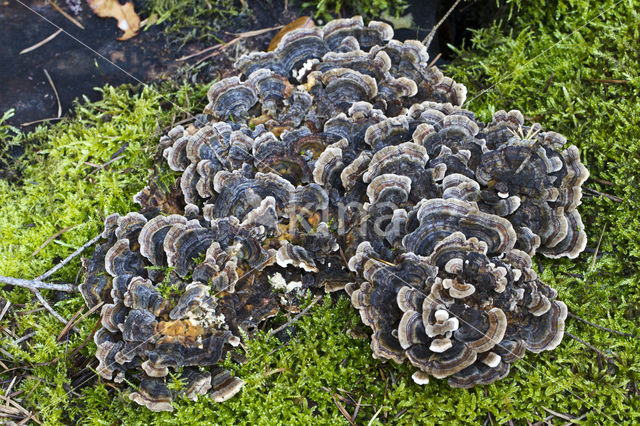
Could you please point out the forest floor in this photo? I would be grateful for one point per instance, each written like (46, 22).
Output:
(566, 64)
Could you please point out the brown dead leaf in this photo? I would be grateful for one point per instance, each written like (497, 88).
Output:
(302, 22)
(128, 20)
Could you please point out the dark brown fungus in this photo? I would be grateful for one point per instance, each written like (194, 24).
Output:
(154, 394)
(230, 98)
(340, 144)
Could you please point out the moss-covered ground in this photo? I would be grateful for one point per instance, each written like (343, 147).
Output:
(571, 65)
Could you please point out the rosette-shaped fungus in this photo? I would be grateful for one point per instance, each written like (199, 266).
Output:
(341, 143)
(467, 310)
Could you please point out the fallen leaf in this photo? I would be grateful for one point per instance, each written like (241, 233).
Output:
(302, 22)
(128, 20)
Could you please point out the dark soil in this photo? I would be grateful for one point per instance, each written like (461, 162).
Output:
(77, 60)
(80, 60)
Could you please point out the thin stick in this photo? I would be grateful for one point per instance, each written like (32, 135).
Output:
(66, 15)
(42, 120)
(13, 381)
(68, 325)
(606, 80)
(355, 411)
(48, 306)
(20, 407)
(576, 420)
(40, 43)
(555, 413)
(602, 181)
(595, 254)
(36, 284)
(87, 339)
(621, 333)
(433, 61)
(256, 32)
(427, 41)
(26, 337)
(55, 91)
(549, 80)
(200, 52)
(296, 318)
(186, 120)
(344, 412)
(602, 194)
(218, 48)
(590, 346)
(7, 304)
(102, 166)
(69, 258)
(51, 238)
(79, 320)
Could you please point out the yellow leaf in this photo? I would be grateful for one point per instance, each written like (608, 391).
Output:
(302, 22)
(128, 19)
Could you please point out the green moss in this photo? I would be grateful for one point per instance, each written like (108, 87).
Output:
(369, 9)
(199, 20)
(10, 138)
(294, 382)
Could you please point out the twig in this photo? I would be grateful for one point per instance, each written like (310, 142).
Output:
(51, 238)
(87, 339)
(355, 411)
(48, 306)
(621, 333)
(574, 421)
(69, 258)
(66, 15)
(30, 311)
(40, 43)
(13, 381)
(200, 52)
(186, 120)
(555, 413)
(219, 50)
(26, 337)
(254, 33)
(55, 91)
(42, 120)
(220, 47)
(20, 407)
(427, 41)
(65, 330)
(7, 304)
(274, 371)
(68, 324)
(595, 254)
(433, 61)
(344, 412)
(590, 346)
(602, 194)
(8, 355)
(548, 83)
(602, 181)
(606, 80)
(36, 284)
(102, 166)
(296, 318)
(397, 416)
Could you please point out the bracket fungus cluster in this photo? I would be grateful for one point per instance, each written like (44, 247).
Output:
(342, 143)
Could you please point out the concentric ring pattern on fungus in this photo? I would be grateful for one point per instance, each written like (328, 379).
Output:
(342, 141)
